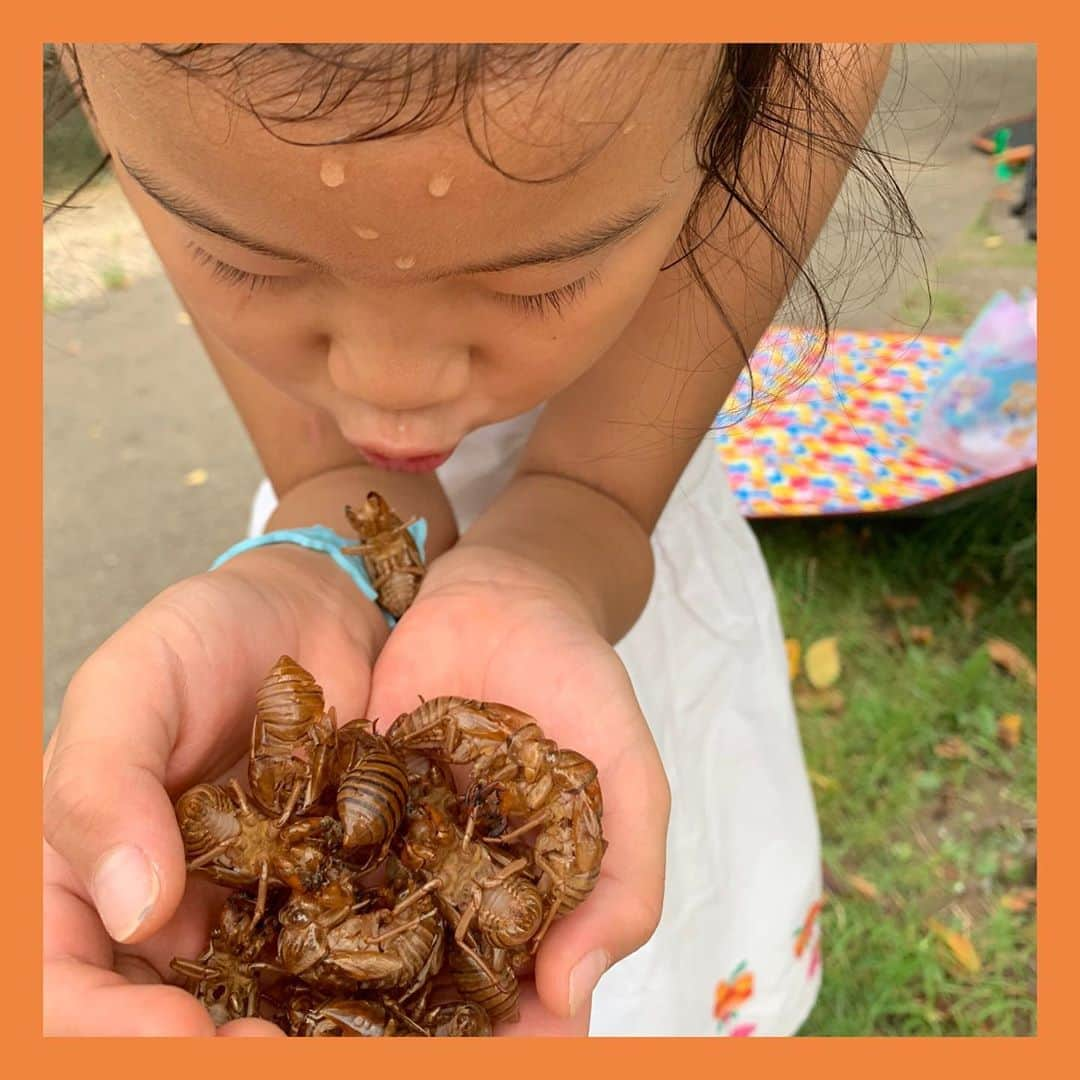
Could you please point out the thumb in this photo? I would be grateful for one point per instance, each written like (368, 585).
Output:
(612, 923)
(623, 910)
(155, 708)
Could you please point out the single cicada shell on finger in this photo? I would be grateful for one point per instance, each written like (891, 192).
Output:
(389, 553)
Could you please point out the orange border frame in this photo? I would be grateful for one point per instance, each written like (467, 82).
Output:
(918, 20)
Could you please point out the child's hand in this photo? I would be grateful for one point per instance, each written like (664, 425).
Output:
(492, 627)
(166, 703)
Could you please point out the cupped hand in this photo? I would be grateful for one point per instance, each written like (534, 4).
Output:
(490, 626)
(164, 704)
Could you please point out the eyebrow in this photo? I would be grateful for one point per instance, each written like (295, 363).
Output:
(182, 207)
(601, 234)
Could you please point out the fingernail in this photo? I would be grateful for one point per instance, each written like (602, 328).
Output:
(585, 975)
(125, 888)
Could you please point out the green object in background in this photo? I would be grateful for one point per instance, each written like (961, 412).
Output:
(1003, 169)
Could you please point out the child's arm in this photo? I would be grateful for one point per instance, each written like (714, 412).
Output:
(608, 452)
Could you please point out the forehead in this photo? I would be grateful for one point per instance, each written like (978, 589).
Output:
(610, 126)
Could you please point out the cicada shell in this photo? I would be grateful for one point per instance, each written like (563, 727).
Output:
(293, 740)
(390, 555)
(207, 818)
(373, 789)
(498, 996)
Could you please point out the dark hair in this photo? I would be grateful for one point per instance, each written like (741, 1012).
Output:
(780, 89)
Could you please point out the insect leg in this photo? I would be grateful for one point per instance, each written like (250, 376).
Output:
(556, 902)
(536, 819)
(394, 931)
(238, 793)
(190, 968)
(211, 855)
(290, 803)
(434, 883)
(260, 899)
(507, 871)
(466, 917)
(395, 1010)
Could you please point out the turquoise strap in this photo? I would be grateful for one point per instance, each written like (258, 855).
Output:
(320, 538)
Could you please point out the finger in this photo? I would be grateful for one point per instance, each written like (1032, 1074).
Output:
(623, 910)
(81, 999)
(153, 709)
(537, 1020)
(610, 924)
(73, 929)
(251, 1028)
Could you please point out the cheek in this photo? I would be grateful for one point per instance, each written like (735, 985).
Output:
(561, 350)
(269, 331)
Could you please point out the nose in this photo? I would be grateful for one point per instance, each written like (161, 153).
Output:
(398, 368)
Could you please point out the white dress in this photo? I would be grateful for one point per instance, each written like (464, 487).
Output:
(738, 950)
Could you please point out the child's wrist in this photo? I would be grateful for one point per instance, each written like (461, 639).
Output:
(491, 565)
(284, 569)
(577, 536)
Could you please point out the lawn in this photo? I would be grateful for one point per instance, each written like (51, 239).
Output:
(926, 800)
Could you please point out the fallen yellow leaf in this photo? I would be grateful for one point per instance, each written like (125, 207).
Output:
(1010, 659)
(863, 887)
(921, 635)
(900, 603)
(821, 781)
(1018, 901)
(794, 655)
(959, 945)
(1009, 728)
(823, 663)
(196, 478)
(953, 748)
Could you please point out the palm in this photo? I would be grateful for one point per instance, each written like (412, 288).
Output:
(493, 641)
(202, 737)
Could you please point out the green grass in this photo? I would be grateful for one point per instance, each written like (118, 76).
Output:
(940, 838)
(71, 153)
(115, 277)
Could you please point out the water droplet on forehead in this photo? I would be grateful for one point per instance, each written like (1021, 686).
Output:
(405, 262)
(332, 173)
(440, 185)
(364, 233)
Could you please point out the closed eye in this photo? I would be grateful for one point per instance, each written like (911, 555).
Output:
(233, 275)
(555, 301)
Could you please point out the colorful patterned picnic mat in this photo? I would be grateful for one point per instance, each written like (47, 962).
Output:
(844, 442)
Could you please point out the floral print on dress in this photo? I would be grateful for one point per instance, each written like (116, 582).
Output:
(805, 935)
(731, 994)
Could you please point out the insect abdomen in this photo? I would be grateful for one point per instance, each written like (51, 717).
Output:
(397, 591)
(371, 798)
(499, 999)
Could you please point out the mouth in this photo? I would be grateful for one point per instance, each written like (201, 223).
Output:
(407, 463)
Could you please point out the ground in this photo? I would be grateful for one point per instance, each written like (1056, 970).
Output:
(927, 810)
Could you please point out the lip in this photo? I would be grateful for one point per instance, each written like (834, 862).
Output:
(408, 463)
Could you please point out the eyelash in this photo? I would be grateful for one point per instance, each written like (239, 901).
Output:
(232, 275)
(542, 304)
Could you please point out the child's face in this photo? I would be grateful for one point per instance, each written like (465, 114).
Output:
(403, 287)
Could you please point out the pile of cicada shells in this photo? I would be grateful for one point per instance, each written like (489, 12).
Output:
(372, 896)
